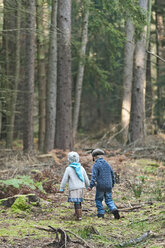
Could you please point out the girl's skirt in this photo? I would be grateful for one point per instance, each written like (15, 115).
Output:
(76, 195)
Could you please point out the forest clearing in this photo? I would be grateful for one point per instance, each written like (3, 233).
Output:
(138, 193)
(76, 75)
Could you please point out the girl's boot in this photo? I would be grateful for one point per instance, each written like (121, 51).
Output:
(78, 211)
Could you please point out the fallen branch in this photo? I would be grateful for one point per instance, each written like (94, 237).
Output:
(134, 241)
(65, 239)
(129, 209)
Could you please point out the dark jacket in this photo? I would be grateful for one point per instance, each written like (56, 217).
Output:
(102, 176)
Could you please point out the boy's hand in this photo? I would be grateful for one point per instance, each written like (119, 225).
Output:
(89, 189)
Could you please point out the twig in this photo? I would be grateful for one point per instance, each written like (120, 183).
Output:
(157, 56)
(14, 172)
(79, 238)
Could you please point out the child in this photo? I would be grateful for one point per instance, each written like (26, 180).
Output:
(103, 179)
(77, 179)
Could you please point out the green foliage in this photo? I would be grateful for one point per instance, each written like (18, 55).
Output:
(23, 181)
(18, 181)
(150, 169)
(137, 186)
(40, 187)
(158, 192)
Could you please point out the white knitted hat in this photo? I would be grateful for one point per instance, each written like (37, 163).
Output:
(73, 157)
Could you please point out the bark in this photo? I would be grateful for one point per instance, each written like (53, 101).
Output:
(149, 91)
(29, 77)
(41, 74)
(1, 78)
(80, 73)
(138, 94)
(8, 54)
(127, 79)
(52, 83)
(64, 98)
(13, 100)
(149, 94)
(160, 31)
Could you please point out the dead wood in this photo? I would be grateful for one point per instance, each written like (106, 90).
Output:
(129, 209)
(83, 241)
(64, 238)
(8, 202)
(134, 241)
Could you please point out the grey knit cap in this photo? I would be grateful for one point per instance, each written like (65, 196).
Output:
(73, 157)
(97, 152)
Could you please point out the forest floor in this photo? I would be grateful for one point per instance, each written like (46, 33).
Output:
(139, 194)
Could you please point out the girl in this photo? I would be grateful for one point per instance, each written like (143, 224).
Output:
(77, 179)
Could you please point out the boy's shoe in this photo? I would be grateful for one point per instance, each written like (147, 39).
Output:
(115, 212)
(100, 216)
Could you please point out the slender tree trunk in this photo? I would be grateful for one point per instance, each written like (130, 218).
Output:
(29, 77)
(64, 98)
(52, 83)
(138, 94)
(13, 100)
(127, 79)
(80, 73)
(1, 77)
(149, 91)
(41, 74)
(160, 29)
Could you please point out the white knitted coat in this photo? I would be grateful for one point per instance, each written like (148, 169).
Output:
(73, 180)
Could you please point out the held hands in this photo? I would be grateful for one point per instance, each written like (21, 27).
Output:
(89, 189)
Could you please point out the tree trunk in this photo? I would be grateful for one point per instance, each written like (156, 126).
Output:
(138, 94)
(52, 83)
(29, 77)
(13, 100)
(1, 78)
(160, 40)
(149, 93)
(80, 73)
(8, 53)
(127, 79)
(64, 98)
(41, 74)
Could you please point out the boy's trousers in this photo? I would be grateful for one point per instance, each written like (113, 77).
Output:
(100, 196)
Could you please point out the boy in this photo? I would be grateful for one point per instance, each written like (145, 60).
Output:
(103, 179)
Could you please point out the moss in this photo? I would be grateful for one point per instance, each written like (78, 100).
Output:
(20, 204)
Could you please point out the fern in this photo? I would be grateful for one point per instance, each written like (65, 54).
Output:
(19, 181)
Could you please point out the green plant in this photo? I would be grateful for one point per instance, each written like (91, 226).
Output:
(158, 193)
(18, 181)
(137, 186)
(23, 181)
